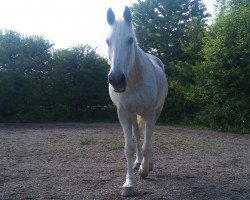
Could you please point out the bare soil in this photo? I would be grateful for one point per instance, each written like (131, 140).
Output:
(86, 161)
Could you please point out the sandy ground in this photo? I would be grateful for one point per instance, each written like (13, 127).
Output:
(86, 161)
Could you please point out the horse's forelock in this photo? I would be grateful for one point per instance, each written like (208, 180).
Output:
(121, 27)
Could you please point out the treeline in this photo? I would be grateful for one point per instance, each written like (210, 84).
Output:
(207, 68)
(39, 84)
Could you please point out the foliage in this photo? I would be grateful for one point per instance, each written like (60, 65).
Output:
(222, 80)
(40, 84)
(24, 65)
(78, 81)
(164, 26)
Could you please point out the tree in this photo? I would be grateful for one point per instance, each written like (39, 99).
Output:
(164, 26)
(222, 80)
(24, 65)
(78, 81)
(38, 83)
(27, 55)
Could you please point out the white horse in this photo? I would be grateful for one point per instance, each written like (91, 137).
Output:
(138, 87)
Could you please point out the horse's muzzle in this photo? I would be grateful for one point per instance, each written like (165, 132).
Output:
(118, 81)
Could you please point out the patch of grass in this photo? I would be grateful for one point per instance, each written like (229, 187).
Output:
(115, 145)
(169, 140)
(176, 141)
(158, 140)
(206, 147)
(87, 141)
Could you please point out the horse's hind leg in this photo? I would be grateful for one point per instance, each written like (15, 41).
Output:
(136, 133)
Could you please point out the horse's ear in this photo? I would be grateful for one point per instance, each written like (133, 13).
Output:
(110, 16)
(127, 15)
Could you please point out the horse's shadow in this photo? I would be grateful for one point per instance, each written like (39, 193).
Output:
(162, 182)
(142, 193)
(189, 186)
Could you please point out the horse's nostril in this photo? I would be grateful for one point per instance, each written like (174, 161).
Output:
(123, 78)
(118, 81)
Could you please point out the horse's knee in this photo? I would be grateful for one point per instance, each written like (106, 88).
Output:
(146, 151)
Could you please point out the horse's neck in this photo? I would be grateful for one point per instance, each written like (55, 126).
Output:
(142, 62)
(142, 67)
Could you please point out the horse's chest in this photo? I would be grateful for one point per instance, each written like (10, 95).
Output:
(134, 102)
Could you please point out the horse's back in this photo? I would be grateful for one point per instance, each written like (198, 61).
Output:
(162, 84)
(156, 61)
(160, 71)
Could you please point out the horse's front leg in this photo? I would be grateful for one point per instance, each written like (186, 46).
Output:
(126, 123)
(147, 162)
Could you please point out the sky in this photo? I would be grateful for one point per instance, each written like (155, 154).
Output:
(65, 23)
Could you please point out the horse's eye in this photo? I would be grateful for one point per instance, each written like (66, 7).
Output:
(108, 42)
(130, 40)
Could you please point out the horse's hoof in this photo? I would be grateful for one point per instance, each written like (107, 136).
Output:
(128, 191)
(142, 173)
(136, 166)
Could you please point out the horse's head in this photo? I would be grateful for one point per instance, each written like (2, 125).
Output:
(121, 44)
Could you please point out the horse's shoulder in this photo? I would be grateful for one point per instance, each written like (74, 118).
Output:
(155, 60)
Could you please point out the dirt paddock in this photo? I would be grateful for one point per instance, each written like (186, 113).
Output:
(86, 161)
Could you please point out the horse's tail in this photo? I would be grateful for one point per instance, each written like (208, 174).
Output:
(140, 122)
